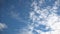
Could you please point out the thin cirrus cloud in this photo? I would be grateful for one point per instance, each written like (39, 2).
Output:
(2, 26)
(46, 16)
(17, 16)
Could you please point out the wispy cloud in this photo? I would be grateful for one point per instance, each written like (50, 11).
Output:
(16, 15)
(25, 31)
(3, 26)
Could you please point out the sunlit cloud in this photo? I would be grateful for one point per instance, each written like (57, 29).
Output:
(46, 16)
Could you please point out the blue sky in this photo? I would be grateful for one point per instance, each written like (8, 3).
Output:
(17, 6)
(28, 16)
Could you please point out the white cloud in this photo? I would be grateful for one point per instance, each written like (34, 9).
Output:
(2, 26)
(47, 16)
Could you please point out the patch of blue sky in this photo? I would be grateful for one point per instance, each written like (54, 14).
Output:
(12, 23)
(35, 32)
(37, 14)
(22, 7)
(58, 11)
(23, 10)
(43, 28)
(50, 2)
(47, 3)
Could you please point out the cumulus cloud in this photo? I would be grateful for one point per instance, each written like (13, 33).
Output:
(46, 16)
(3, 26)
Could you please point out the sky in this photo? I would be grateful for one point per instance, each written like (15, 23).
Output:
(29, 16)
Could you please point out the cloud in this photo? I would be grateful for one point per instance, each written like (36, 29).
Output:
(25, 31)
(16, 15)
(57, 3)
(45, 16)
(3, 26)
